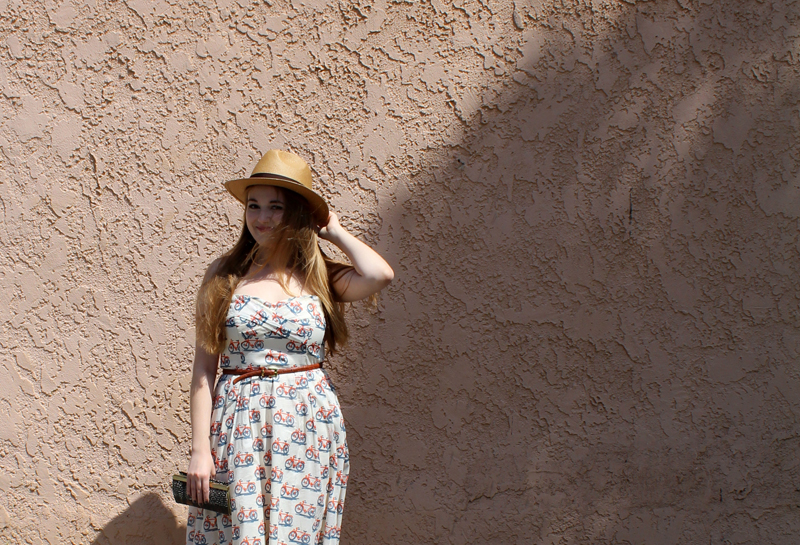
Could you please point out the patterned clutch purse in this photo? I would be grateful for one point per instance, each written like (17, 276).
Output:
(219, 495)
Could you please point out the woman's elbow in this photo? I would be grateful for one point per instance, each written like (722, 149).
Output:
(387, 276)
(381, 279)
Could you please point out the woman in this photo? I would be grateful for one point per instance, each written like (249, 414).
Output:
(266, 313)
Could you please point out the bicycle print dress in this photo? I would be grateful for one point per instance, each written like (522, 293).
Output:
(279, 442)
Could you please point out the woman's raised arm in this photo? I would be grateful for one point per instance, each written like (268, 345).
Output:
(371, 272)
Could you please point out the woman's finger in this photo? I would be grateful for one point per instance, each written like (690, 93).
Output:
(205, 488)
(195, 490)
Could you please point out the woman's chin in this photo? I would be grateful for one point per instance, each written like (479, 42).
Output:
(261, 238)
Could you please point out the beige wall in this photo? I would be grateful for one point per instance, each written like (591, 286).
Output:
(591, 206)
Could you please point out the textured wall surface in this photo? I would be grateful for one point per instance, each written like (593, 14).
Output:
(591, 206)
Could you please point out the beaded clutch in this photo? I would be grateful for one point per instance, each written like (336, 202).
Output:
(219, 495)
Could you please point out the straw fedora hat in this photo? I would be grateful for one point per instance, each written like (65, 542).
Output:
(282, 169)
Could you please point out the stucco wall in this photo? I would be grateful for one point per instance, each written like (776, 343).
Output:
(591, 207)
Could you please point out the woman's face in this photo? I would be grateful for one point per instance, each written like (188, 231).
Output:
(265, 205)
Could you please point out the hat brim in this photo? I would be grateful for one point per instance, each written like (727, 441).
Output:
(319, 208)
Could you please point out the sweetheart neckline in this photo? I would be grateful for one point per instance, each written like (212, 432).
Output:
(270, 303)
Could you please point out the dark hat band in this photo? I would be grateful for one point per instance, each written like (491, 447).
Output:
(268, 175)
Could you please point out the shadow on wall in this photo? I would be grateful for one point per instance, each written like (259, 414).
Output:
(570, 324)
(147, 521)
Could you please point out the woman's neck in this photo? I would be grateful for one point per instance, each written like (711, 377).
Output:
(260, 270)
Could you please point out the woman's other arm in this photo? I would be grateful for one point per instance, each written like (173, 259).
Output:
(371, 272)
(201, 465)
(204, 371)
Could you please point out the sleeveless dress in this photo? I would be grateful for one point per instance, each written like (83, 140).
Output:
(279, 442)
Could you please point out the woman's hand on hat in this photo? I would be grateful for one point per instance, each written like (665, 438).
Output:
(331, 229)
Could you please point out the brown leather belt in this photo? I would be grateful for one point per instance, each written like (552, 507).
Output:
(268, 372)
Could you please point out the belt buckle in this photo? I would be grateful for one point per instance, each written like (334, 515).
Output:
(269, 371)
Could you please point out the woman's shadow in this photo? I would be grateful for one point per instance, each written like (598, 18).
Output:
(148, 520)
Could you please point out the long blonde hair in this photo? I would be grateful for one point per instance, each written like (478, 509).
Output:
(295, 251)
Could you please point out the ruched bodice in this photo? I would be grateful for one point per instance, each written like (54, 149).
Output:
(288, 333)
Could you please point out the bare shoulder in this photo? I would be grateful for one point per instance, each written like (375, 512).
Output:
(203, 298)
(212, 269)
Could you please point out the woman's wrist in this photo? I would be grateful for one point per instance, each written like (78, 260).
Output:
(201, 449)
(335, 234)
